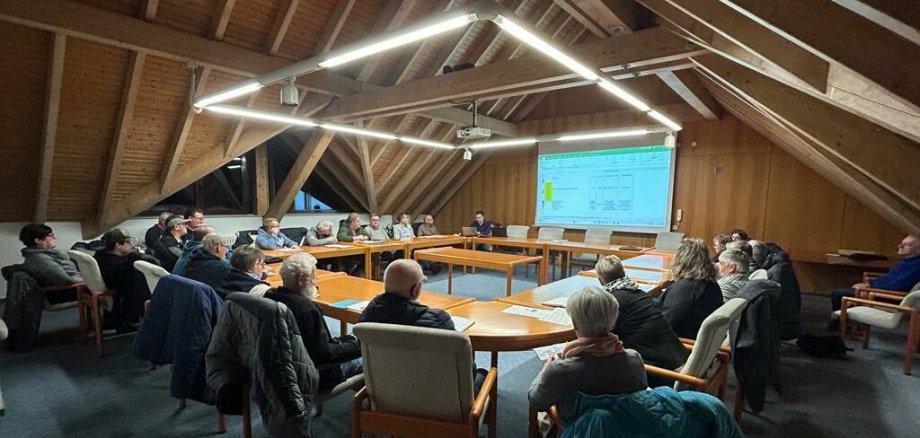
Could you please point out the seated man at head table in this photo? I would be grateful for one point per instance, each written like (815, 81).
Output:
(349, 231)
(483, 229)
(321, 234)
(596, 363)
(902, 276)
(733, 272)
(247, 273)
(403, 229)
(298, 274)
(373, 230)
(271, 237)
(116, 264)
(641, 325)
(427, 228)
(208, 263)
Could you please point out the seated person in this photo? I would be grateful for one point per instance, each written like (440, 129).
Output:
(49, 266)
(595, 363)
(640, 325)
(321, 234)
(373, 230)
(402, 285)
(348, 232)
(116, 264)
(247, 273)
(733, 272)
(483, 229)
(194, 218)
(427, 228)
(902, 276)
(169, 248)
(694, 294)
(208, 263)
(271, 237)
(298, 273)
(739, 234)
(403, 229)
(745, 246)
(718, 245)
(154, 233)
(190, 245)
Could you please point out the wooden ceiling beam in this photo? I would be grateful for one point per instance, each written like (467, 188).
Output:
(423, 160)
(334, 26)
(874, 52)
(49, 133)
(617, 17)
(261, 194)
(280, 26)
(394, 168)
(394, 14)
(424, 185)
(642, 48)
(128, 99)
(187, 116)
(368, 173)
(349, 202)
(887, 158)
(899, 16)
(344, 178)
(311, 152)
(692, 91)
(149, 9)
(579, 15)
(221, 18)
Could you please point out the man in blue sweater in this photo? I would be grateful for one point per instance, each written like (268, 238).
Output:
(902, 276)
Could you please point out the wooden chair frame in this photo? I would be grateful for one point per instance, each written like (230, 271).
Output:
(88, 301)
(913, 326)
(365, 420)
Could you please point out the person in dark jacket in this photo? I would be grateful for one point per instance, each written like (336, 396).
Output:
(403, 281)
(641, 325)
(208, 263)
(902, 276)
(189, 246)
(773, 259)
(247, 272)
(298, 274)
(155, 232)
(169, 248)
(116, 264)
(695, 293)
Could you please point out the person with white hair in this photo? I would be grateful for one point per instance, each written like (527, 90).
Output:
(596, 363)
(321, 234)
(298, 277)
(155, 232)
(733, 272)
(208, 263)
(402, 285)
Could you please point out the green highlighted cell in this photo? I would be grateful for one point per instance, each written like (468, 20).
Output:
(548, 191)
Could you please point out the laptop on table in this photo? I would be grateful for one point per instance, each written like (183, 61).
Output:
(468, 231)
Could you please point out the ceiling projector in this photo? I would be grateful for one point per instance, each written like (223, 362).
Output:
(474, 132)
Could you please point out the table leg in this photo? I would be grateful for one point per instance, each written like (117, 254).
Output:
(565, 264)
(450, 276)
(343, 328)
(542, 267)
(495, 359)
(508, 281)
(368, 268)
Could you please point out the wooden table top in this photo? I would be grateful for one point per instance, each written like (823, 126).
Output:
(485, 259)
(833, 259)
(319, 252)
(637, 275)
(649, 262)
(594, 248)
(431, 241)
(517, 242)
(333, 289)
(274, 279)
(565, 287)
(388, 245)
(495, 330)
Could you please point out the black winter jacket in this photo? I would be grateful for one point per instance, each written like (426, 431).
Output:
(394, 309)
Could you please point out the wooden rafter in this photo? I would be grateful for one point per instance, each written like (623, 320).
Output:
(49, 134)
(423, 160)
(149, 9)
(261, 194)
(187, 116)
(578, 14)
(334, 25)
(349, 202)
(394, 14)
(899, 16)
(128, 99)
(460, 178)
(367, 171)
(310, 153)
(691, 91)
(221, 18)
(280, 26)
(890, 159)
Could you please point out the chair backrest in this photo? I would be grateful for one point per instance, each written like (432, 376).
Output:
(550, 233)
(760, 274)
(422, 372)
(916, 287)
(598, 236)
(152, 273)
(668, 241)
(912, 300)
(517, 230)
(89, 269)
(710, 337)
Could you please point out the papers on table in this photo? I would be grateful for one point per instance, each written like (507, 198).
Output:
(555, 316)
(461, 323)
(350, 304)
(433, 236)
(373, 242)
(556, 302)
(646, 287)
(546, 352)
(336, 245)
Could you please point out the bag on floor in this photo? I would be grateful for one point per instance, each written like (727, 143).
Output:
(822, 346)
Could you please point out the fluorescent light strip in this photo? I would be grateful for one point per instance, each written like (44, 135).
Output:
(618, 91)
(400, 40)
(423, 142)
(608, 134)
(235, 166)
(665, 120)
(357, 131)
(262, 115)
(537, 43)
(501, 143)
(229, 94)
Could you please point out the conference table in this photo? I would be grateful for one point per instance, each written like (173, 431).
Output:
(324, 252)
(562, 288)
(274, 279)
(523, 243)
(495, 331)
(649, 262)
(567, 248)
(479, 259)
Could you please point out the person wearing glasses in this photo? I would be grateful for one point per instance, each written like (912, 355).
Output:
(247, 273)
(902, 277)
(208, 263)
(50, 266)
(402, 285)
(116, 264)
(271, 237)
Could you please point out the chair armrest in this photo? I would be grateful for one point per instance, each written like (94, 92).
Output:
(554, 415)
(675, 375)
(868, 303)
(480, 402)
(689, 343)
(868, 275)
(63, 287)
(863, 291)
(887, 296)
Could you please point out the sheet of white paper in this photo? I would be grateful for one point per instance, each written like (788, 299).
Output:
(526, 311)
(545, 352)
(556, 302)
(336, 245)
(461, 323)
(557, 316)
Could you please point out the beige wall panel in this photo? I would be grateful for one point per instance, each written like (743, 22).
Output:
(250, 23)
(91, 94)
(24, 57)
(863, 229)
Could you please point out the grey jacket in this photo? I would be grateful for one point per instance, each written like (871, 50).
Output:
(314, 238)
(50, 267)
(257, 341)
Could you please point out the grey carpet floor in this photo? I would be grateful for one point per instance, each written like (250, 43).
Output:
(60, 389)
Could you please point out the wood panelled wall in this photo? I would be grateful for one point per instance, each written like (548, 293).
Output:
(728, 176)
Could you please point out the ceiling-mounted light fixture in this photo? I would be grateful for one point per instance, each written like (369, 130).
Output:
(670, 141)
(423, 142)
(290, 95)
(603, 134)
(545, 47)
(242, 89)
(358, 131)
(467, 154)
(665, 120)
(501, 143)
(261, 115)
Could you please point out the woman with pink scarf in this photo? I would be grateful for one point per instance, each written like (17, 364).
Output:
(596, 363)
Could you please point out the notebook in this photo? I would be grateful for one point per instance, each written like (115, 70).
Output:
(461, 323)
(468, 231)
